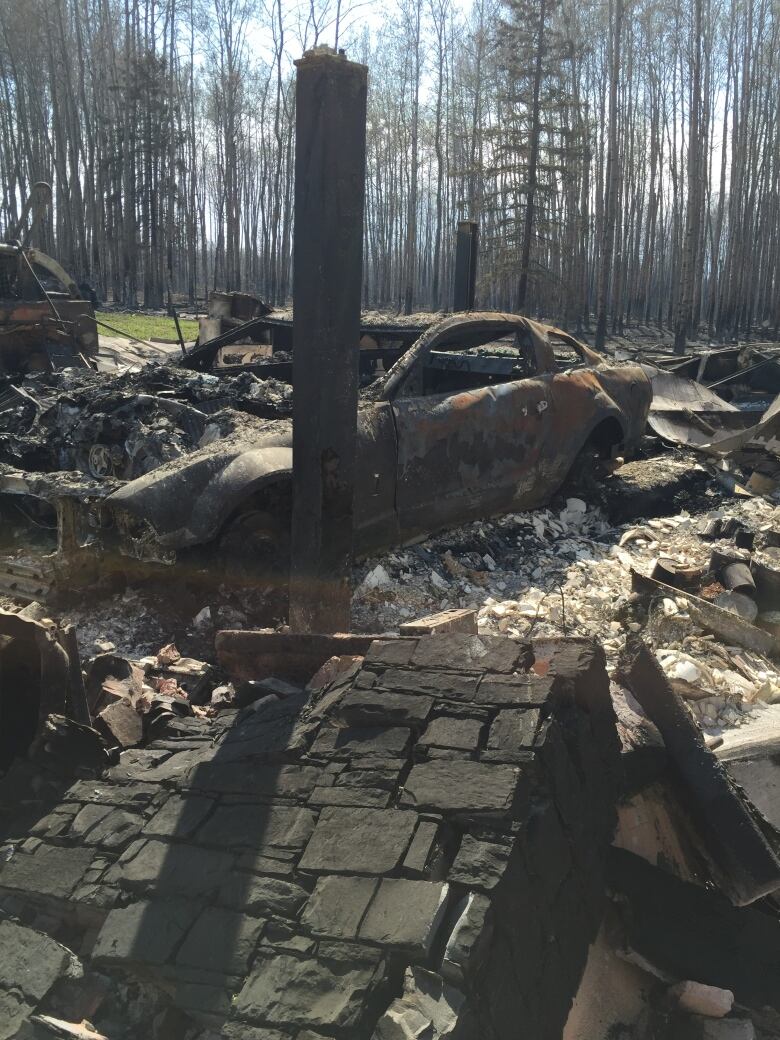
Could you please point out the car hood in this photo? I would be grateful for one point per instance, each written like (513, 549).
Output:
(187, 501)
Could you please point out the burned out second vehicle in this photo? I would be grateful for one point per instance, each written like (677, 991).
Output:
(485, 413)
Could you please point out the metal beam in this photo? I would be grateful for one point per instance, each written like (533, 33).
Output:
(330, 172)
(466, 246)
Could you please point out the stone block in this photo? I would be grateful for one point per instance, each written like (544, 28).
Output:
(383, 707)
(358, 841)
(450, 731)
(420, 851)
(406, 914)
(513, 729)
(367, 740)
(179, 817)
(462, 786)
(170, 869)
(528, 689)
(364, 797)
(257, 825)
(696, 998)
(120, 724)
(49, 871)
(441, 685)
(456, 620)
(477, 653)
(287, 991)
(262, 896)
(429, 1008)
(283, 781)
(221, 940)
(479, 864)
(468, 939)
(146, 932)
(14, 1011)
(337, 906)
(390, 653)
(32, 962)
(114, 831)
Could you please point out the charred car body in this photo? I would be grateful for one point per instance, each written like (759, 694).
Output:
(482, 415)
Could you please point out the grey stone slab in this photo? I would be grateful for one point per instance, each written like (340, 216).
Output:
(337, 906)
(390, 652)
(382, 776)
(221, 940)
(286, 990)
(179, 817)
(241, 1031)
(421, 849)
(269, 781)
(447, 685)
(262, 896)
(364, 740)
(258, 826)
(468, 940)
(56, 823)
(49, 871)
(30, 961)
(14, 1011)
(382, 707)
(365, 797)
(170, 869)
(448, 731)
(462, 786)
(146, 932)
(513, 729)
(88, 818)
(405, 913)
(479, 864)
(166, 769)
(273, 863)
(358, 841)
(527, 689)
(106, 793)
(463, 650)
(115, 830)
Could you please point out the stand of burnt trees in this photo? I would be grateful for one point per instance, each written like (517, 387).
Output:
(622, 157)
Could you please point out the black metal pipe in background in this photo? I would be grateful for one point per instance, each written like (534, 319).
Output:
(466, 246)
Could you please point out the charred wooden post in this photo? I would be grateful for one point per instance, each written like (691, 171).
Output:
(465, 265)
(742, 855)
(330, 136)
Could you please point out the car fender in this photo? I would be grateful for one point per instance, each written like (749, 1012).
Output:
(189, 505)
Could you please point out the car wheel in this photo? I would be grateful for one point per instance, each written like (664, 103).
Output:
(254, 549)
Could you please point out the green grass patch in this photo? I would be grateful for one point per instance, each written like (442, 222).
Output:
(146, 326)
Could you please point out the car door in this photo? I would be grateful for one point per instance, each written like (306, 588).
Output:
(376, 519)
(468, 453)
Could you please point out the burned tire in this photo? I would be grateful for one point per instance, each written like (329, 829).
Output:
(254, 550)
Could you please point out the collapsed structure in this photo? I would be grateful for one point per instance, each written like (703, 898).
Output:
(474, 825)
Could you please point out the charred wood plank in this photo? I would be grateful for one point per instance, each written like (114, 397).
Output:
(747, 864)
(330, 134)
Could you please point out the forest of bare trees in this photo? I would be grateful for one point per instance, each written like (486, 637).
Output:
(621, 156)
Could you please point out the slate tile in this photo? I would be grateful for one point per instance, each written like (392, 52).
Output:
(464, 651)
(513, 729)
(358, 841)
(337, 906)
(146, 932)
(257, 825)
(451, 785)
(531, 690)
(448, 731)
(221, 940)
(405, 913)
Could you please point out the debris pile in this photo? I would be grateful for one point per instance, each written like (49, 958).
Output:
(569, 571)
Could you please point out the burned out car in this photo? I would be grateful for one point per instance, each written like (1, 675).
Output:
(484, 414)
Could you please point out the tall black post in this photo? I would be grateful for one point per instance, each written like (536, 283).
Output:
(465, 265)
(330, 176)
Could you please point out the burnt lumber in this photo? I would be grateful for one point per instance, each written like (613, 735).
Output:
(686, 931)
(747, 864)
(328, 250)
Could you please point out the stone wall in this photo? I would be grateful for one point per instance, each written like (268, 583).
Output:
(417, 848)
